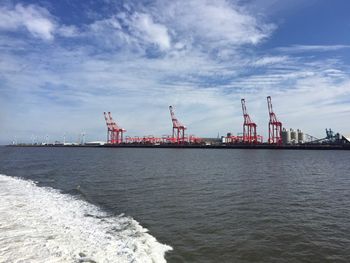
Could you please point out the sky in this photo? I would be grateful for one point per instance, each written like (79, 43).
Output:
(63, 63)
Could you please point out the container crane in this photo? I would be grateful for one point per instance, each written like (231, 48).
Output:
(275, 126)
(114, 132)
(109, 128)
(178, 129)
(249, 127)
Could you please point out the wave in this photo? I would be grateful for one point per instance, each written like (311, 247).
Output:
(40, 224)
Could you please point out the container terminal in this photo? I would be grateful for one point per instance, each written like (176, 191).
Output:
(279, 137)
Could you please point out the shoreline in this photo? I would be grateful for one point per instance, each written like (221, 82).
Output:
(198, 146)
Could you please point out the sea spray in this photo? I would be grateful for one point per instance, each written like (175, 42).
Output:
(40, 224)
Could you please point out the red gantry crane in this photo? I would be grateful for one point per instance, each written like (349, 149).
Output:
(109, 128)
(249, 127)
(178, 129)
(275, 126)
(114, 132)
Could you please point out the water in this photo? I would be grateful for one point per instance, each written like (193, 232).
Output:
(90, 204)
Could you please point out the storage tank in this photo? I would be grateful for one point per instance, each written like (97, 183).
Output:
(300, 137)
(293, 136)
(285, 136)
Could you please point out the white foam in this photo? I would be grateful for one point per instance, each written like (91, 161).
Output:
(39, 224)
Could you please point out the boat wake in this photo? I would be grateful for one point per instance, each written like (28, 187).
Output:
(40, 224)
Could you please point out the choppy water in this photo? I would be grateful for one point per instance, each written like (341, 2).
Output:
(84, 205)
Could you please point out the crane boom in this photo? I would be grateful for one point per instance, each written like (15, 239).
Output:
(178, 135)
(114, 132)
(249, 127)
(275, 126)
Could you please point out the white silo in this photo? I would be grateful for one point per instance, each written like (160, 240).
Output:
(300, 137)
(285, 136)
(293, 136)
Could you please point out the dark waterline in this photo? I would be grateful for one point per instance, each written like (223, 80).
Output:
(210, 205)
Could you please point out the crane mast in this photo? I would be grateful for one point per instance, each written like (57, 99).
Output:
(109, 128)
(114, 132)
(249, 127)
(275, 126)
(178, 135)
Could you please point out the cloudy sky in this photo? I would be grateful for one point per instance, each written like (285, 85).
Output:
(62, 63)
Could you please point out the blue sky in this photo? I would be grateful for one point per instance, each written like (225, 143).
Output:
(62, 63)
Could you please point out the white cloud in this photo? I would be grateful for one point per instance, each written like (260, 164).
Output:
(220, 22)
(311, 48)
(36, 20)
(68, 31)
(101, 25)
(145, 28)
(140, 31)
(108, 33)
(268, 60)
(174, 26)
